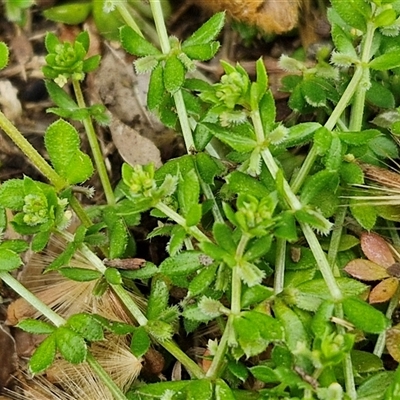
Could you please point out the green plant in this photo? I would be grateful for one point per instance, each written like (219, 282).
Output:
(253, 249)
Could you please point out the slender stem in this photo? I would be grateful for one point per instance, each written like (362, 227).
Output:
(46, 311)
(136, 313)
(279, 276)
(43, 308)
(336, 234)
(193, 230)
(102, 374)
(35, 158)
(210, 196)
(127, 17)
(219, 358)
(94, 145)
(357, 111)
(80, 212)
(295, 204)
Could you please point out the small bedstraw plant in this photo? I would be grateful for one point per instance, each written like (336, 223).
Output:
(258, 249)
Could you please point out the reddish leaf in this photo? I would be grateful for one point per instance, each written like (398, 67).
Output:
(393, 342)
(383, 291)
(366, 270)
(376, 249)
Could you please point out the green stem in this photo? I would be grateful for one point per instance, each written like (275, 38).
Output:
(219, 358)
(127, 17)
(80, 212)
(35, 158)
(136, 313)
(94, 145)
(280, 259)
(102, 374)
(357, 110)
(295, 204)
(354, 89)
(47, 312)
(193, 230)
(31, 299)
(336, 234)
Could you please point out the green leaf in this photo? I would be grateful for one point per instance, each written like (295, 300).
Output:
(223, 237)
(39, 241)
(380, 96)
(373, 387)
(140, 342)
(174, 74)
(148, 271)
(158, 299)
(318, 183)
(264, 374)
(60, 96)
(207, 32)
(87, 326)
(36, 327)
(364, 316)
(364, 213)
(113, 276)
(222, 391)
(386, 61)
(200, 389)
(240, 183)
(9, 260)
(135, 44)
(333, 158)
(295, 332)
(178, 236)
(313, 93)
(201, 282)
(188, 191)
(270, 328)
(71, 345)
(268, 111)
(62, 143)
(352, 174)
(71, 13)
(43, 356)
(258, 247)
(12, 194)
(343, 41)
(241, 139)
(201, 52)
(80, 274)
(255, 294)
(353, 12)
(208, 167)
(118, 239)
(300, 134)
(249, 336)
(182, 264)
(156, 90)
(359, 138)
(3, 55)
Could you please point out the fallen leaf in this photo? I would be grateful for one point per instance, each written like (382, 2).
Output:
(376, 249)
(383, 291)
(134, 148)
(393, 341)
(366, 270)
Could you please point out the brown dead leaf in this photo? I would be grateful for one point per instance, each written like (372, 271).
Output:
(134, 148)
(366, 270)
(393, 341)
(7, 356)
(383, 291)
(376, 249)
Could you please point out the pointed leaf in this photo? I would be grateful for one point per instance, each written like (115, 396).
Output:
(135, 44)
(174, 74)
(140, 342)
(158, 300)
(386, 61)
(71, 345)
(364, 316)
(207, 32)
(188, 191)
(43, 356)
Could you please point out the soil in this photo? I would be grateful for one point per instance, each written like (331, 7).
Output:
(24, 100)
